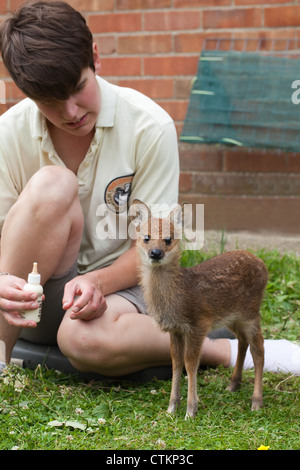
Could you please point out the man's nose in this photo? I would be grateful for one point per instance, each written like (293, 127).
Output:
(69, 109)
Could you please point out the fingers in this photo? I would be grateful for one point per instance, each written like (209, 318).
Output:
(89, 310)
(19, 303)
(14, 319)
(84, 299)
(13, 300)
(90, 304)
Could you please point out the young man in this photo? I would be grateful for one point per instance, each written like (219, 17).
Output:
(73, 154)
(77, 145)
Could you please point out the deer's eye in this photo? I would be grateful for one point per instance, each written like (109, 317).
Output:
(146, 238)
(168, 241)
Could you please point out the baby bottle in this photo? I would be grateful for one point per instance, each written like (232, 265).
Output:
(33, 285)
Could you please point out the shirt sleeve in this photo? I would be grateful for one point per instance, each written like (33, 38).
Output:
(156, 179)
(8, 192)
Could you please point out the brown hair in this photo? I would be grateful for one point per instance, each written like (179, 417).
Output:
(45, 46)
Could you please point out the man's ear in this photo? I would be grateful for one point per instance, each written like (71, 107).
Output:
(96, 57)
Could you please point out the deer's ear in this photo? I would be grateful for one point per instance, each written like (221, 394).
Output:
(176, 216)
(139, 212)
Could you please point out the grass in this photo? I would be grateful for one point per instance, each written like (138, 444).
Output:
(47, 410)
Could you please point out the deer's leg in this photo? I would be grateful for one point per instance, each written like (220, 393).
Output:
(192, 359)
(257, 351)
(236, 377)
(177, 351)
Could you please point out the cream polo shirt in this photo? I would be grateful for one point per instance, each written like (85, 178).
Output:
(134, 154)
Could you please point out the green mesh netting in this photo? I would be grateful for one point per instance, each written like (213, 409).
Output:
(244, 99)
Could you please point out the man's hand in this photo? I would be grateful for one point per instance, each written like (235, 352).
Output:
(13, 300)
(85, 298)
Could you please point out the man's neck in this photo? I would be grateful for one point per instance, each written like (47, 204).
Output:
(70, 148)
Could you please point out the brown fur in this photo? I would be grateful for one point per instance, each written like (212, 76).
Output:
(188, 302)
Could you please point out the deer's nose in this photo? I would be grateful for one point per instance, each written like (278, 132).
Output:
(156, 254)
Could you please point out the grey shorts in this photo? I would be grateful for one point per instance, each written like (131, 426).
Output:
(52, 311)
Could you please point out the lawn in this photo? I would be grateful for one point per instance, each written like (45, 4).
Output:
(47, 410)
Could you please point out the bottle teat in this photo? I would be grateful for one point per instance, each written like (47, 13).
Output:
(34, 277)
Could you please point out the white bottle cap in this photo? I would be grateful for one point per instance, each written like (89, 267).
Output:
(34, 277)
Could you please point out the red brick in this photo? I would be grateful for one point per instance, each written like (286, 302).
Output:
(170, 65)
(154, 88)
(232, 18)
(3, 6)
(260, 161)
(264, 39)
(14, 4)
(3, 71)
(189, 42)
(194, 41)
(106, 44)
(185, 182)
(92, 5)
(254, 214)
(115, 22)
(176, 108)
(13, 92)
(116, 66)
(247, 184)
(258, 2)
(200, 3)
(198, 157)
(3, 108)
(183, 87)
(145, 44)
(172, 20)
(282, 16)
(142, 4)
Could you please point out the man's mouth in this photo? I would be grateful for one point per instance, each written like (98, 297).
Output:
(80, 122)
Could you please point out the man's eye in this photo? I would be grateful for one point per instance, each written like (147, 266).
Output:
(80, 86)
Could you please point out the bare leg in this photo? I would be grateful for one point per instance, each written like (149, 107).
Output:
(44, 225)
(8, 337)
(120, 342)
(216, 352)
(123, 341)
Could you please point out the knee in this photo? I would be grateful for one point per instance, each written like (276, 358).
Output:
(53, 185)
(85, 352)
(50, 192)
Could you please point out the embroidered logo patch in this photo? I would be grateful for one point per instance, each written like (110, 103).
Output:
(117, 193)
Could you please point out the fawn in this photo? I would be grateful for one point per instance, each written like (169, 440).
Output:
(226, 290)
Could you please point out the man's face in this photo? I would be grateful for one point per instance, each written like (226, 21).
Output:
(77, 115)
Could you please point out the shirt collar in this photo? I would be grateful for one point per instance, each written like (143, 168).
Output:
(106, 117)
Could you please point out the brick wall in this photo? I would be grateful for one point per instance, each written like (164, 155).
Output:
(154, 46)
(243, 189)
